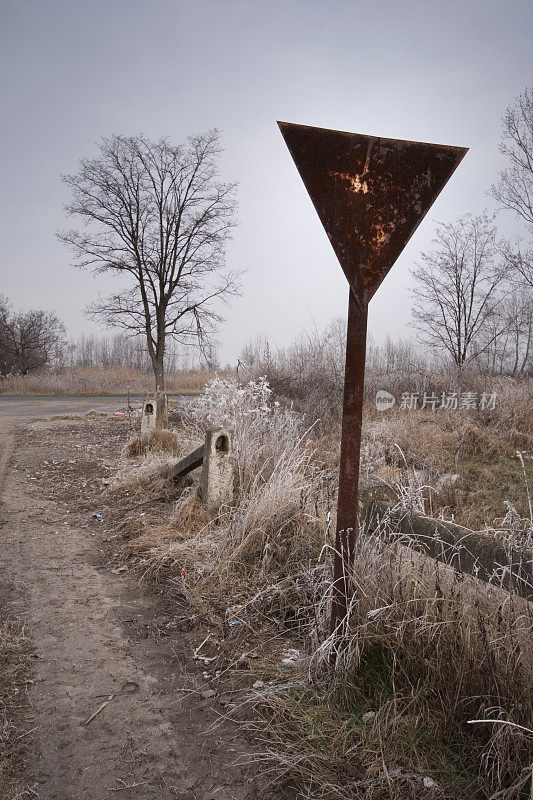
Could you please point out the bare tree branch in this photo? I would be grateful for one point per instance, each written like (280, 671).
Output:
(514, 189)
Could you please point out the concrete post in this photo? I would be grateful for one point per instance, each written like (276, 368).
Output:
(217, 469)
(148, 417)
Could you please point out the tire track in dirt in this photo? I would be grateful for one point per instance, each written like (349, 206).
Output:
(154, 742)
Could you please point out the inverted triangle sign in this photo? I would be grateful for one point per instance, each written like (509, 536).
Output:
(370, 193)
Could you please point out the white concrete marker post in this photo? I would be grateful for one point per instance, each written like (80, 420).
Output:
(148, 418)
(217, 469)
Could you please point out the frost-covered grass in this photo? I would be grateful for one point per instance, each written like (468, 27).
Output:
(428, 649)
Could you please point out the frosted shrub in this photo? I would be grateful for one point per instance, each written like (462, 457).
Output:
(262, 428)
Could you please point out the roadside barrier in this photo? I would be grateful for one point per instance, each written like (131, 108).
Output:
(216, 458)
(479, 555)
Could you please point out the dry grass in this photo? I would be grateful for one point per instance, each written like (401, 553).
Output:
(143, 480)
(145, 463)
(101, 381)
(482, 447)
(14, 674)
(161, 440)
(428, 649)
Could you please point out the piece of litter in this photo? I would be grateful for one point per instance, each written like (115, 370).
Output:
(130, 687)
(429, 783)
(125, 786)
(235, 622)
(97, 517)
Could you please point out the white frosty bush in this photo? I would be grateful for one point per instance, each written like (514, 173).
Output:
(262, 428)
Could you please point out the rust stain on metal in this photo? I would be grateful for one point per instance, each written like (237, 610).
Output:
(371, 194)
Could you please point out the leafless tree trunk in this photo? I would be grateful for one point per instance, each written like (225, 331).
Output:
(509, 350)
(519, 318)
(156, 214)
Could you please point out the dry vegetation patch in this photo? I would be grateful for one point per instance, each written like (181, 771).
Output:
(490, 452)
(428, 649)
(101, 381)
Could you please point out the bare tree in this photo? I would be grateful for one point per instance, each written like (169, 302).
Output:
(518, 317)
(156, 214)
(459, 287)
(5, 360)
(28, 340)
(514, 188)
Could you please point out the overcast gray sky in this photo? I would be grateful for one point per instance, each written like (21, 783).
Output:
(75, 70)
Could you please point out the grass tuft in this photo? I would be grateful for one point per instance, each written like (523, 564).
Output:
(161, 440)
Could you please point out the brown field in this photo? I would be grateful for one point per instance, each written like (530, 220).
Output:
(103, 381)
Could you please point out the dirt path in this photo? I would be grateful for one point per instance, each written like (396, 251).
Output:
(81, 617)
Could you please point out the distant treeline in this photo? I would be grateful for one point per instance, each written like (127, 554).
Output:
(311, 369)
(35, 341)
(123, 351)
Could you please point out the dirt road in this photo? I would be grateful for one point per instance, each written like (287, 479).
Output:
(92, 631)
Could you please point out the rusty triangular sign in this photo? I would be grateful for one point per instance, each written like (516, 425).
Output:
(370, 194)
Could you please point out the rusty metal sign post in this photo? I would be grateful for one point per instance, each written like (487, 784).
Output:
(371, 194)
